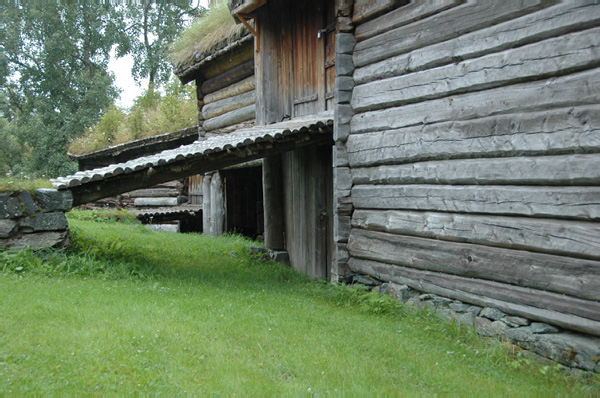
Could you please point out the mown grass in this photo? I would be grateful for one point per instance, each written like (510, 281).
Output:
(131, 310)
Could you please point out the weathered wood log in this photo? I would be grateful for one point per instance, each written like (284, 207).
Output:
(206, 205)
(230, 118)
(217, 205)
(536, 170)
(154, 193)
(564, 275)
(273, 203)
(404, 15)
(228, 78)
(577, 89)
(155, 202)
(243, 86)
(485, 293)
(567, 130)
(544, 201)
(553, 57)
(544, 24)
(447, 25)
(367, 9)
(225, 105)
(561, 237)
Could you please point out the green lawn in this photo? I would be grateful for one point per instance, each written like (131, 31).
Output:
(131, 310)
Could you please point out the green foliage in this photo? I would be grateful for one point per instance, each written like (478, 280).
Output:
(153, 113)
(104, 216)
(154, 26)
(55, 83)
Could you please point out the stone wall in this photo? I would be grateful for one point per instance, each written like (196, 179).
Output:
(572, 349)
(34, 220)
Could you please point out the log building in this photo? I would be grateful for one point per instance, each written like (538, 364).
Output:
(463, 159)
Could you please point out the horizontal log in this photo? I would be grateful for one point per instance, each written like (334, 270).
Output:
(556, 202)
(544, 24)
(447, 25)
(367, 9)
(229, 129)
(581, 88)
(155, 202)
(230, 118)
(401, 16)
(559, 274)
(228, 78)
(536, 170)
(225, 105)
(154, 193)
(561, 237)
(567, 130)
(482, 293)
(541, 60)
(243, 86)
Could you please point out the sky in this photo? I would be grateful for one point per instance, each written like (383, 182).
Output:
(121, 67)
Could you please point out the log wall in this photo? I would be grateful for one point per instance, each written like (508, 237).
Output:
(473, 154)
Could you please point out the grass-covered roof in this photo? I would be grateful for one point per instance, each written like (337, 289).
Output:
(209, 33)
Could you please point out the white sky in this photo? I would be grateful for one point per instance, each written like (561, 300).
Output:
(121, 67)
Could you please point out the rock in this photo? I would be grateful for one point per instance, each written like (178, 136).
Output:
(44, 222)
(570, 349)
(27, 200)
(42, 240)
(13, 208)
(280, 256)
(427, 296)
(365, 280)
(467, 318)
(500, 328)
(52, 200)
(484, 327)
(7, 228)
(492, 313)
(445, 313)
(462, 308)
(542, 328)
(400, 292)
(516, 321)
(441, 301)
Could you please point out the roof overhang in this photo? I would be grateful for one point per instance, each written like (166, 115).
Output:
(245, 8)
(214, 153)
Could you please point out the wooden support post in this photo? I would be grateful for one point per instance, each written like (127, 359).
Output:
(206, 205)
(273, 203)
(217, 206)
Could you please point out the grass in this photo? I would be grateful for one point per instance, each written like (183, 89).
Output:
(132, 310)
(207, 33)
(12, 184)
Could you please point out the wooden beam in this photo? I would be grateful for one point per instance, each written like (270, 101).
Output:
(229, 77)
(206, 205)
(562, 275)
(562, 237)
(273, 203)
(484, 293)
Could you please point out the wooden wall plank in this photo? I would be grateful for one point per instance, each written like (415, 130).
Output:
(560, 274)
(368, 9)
(230, 118)
(477, 292)
(533, 170)
(447, 25)
(243, 86)
(544, 201)
(225, 105)
(401, 16)
(229, 77)
(541, 60)
(577, 89)
(554, 21)
(566, 130)
(217, 206)
(561, 237)
(206, 205)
